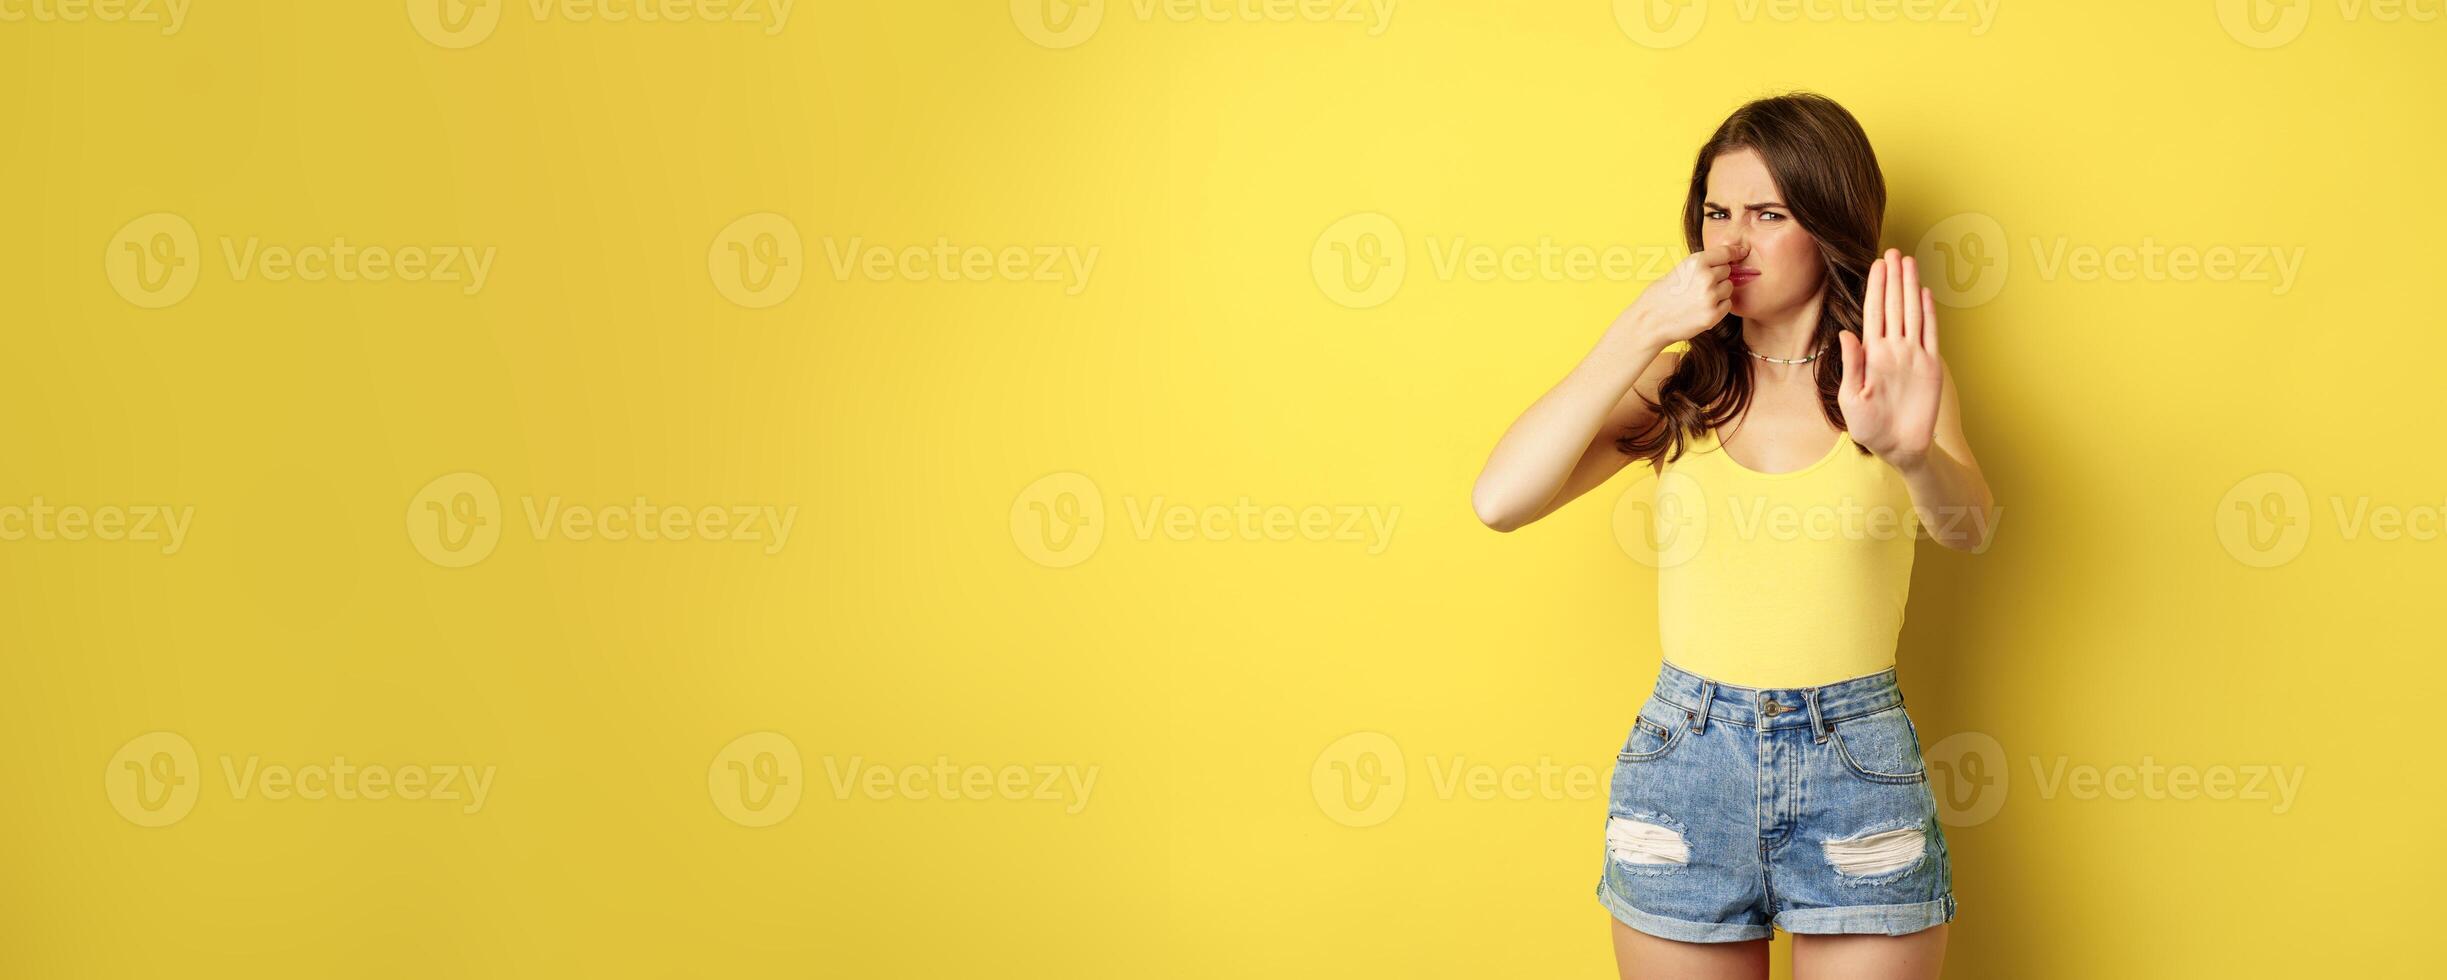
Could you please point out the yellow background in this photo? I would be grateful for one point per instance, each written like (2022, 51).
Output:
(908, 620)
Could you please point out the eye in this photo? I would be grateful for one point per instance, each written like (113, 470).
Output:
(1714, 214)
(1771, 214)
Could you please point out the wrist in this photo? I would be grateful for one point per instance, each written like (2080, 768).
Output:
(1909, 464)
(1637, 329)
(1620, 356)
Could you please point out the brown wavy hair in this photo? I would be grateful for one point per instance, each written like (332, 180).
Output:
(1829, 179)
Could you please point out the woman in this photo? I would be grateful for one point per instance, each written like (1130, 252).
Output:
(1772, 778)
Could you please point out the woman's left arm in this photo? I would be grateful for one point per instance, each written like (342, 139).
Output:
(1899, 402)
(1948, 489)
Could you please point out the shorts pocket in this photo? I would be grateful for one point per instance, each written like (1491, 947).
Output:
(1655, 731)
(1882, 747)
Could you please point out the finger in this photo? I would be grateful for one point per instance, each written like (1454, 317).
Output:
(1928, 321)
(1911, 300)
(1694, 277)
(1852, 362)
(1725, 255)
(1894, 294)
(1873, 301)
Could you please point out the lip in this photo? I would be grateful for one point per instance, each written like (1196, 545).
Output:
(1741, 275)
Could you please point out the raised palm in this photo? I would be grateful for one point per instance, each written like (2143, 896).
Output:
(1892, 377)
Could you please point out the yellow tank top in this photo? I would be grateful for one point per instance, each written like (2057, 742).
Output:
(1782, 580)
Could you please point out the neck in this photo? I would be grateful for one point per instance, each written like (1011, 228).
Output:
(1787, 334)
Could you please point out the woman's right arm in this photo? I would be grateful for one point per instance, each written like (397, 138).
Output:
(1563, 446)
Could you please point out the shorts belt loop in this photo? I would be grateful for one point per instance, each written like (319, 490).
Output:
(1818, 724)
(1699, 721)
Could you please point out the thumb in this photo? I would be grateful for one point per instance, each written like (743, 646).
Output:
(1853, 365)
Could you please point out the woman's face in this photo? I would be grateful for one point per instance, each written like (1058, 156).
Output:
(1783, 270)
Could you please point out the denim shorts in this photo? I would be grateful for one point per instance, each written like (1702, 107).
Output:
(1735, 811)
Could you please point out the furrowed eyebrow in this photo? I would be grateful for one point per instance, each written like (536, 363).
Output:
(1762, 206)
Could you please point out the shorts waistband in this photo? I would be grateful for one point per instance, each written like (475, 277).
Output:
(1708, 699)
